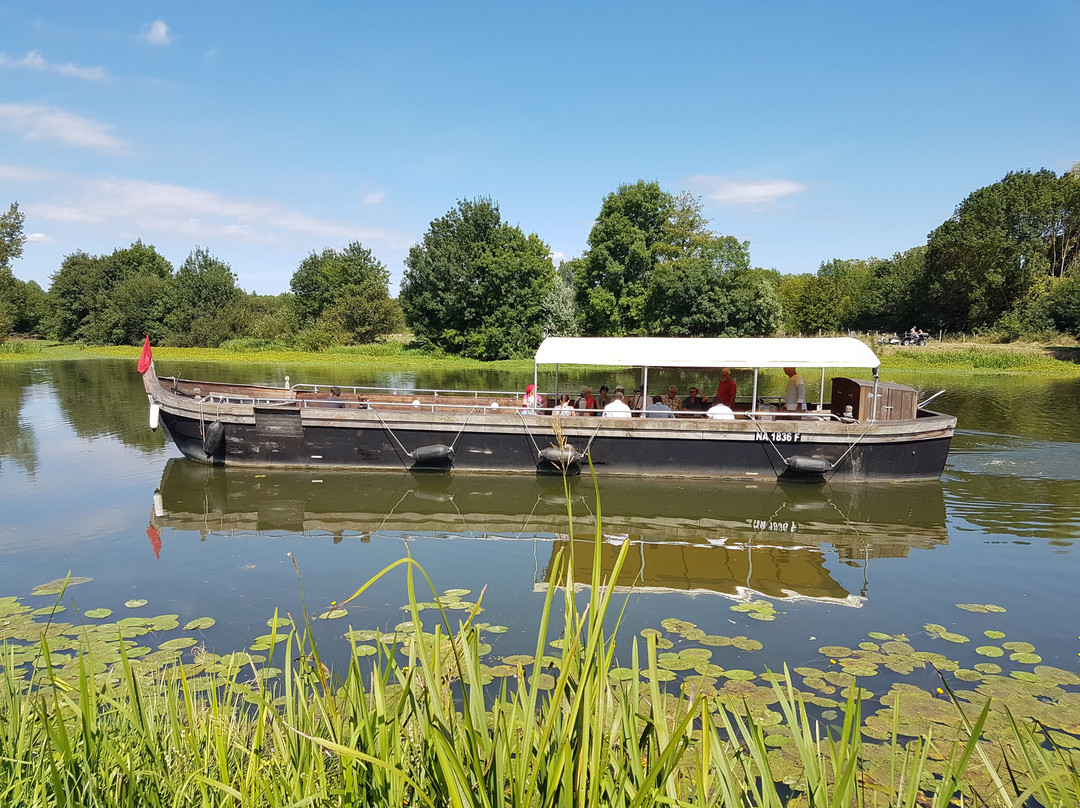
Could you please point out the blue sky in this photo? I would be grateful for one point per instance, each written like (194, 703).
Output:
(263, 131)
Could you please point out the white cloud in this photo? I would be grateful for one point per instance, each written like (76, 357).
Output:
(374, 197)
(157, 33)
(750, 194)
(24, 174)
(140, 206)
(34, 61)
(41, 122)
(40, 238)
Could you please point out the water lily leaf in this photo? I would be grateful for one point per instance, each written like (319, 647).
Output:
(981, 608)
(834, 651)
(199, 623)
(952, 636)
(1019, 647)
(57, 586)
(1057, 676)
(746, 643)
(364, 650)
(879, 635)
(994, 635)
(966, 675)
(97, 614)
(934, 628)
(740, 675)
(988, 667)
(989, 651)
(715, 640)
(496, 629)
(55, 609)
(278, 622)
(621, 674)
(455, 594)
(135, 603)
(677, 626)
(519, 659)
(1026, 658)
(333, 614)
(177, 644)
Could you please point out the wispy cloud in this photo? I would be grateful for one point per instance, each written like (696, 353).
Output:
(139, 206)
(374, 197)
(157, 33)
(35, 61)
(40, 238)
(25, 174)
(41, 122)
(748, 194)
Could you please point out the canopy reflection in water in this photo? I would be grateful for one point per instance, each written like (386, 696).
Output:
(736, 540)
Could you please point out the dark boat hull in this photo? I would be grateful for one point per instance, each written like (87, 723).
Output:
(510, 443)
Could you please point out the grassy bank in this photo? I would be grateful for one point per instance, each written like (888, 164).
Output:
(1058, 359)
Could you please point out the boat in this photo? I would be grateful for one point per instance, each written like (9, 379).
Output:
(869, 431)
(737, 540)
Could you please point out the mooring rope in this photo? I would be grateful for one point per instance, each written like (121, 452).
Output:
(833, 466)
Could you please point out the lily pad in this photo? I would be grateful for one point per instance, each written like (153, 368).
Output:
(58, 585)
(333, 614)
(989, 651)
(97, 614)
(199, 623)
(135, 603)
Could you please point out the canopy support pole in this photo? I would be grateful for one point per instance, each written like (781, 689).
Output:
(821, 392)
(753, 404)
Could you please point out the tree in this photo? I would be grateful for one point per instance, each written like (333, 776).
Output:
(202, 291)
(111, 300)
(983, 261)
(345, 293)
(476, 286)
(635, 227)
(561, 313)
(711, 292)
(11, 235)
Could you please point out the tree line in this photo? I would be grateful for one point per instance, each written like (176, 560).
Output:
(1007, 263)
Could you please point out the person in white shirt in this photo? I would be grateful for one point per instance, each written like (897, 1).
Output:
(795, 396)
(721, 412)
(564, 409)
(618, 407)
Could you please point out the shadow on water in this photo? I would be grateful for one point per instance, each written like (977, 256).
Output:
(691, 536)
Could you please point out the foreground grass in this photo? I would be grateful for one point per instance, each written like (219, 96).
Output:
(568, 729)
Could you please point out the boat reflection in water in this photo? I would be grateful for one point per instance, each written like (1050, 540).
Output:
(699, 536)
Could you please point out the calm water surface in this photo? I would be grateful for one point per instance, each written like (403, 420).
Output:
(86, 487)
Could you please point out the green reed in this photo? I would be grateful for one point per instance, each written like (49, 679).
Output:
(425, 730)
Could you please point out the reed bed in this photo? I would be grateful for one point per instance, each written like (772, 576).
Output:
(424, 729)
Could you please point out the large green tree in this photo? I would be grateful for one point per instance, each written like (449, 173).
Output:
(982, 263)
(11, 247)
(476, 285)
(711, 291)
(638, 226)
(113, 299)
(204, 305)
(345, 294)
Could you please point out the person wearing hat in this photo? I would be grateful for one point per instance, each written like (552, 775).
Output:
(585, 400)
(603, 399)
(637, 403)
(531, 401)
(725, 391)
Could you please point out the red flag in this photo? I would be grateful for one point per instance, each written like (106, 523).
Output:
(146, 357)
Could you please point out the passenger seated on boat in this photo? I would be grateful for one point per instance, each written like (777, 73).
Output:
(530, 402)
(335, 398)
(694, 402)
(637, 403)
(721, 412)
(603, 399)
(658, 409)
(564, 408)
(618, 407)
(672, 399)
(586, 401)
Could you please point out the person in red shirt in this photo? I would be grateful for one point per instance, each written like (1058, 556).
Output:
(725, 391)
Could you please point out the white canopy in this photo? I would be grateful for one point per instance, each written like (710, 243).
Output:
(708, 352)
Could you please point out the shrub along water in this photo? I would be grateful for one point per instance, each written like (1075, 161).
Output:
(571, 730)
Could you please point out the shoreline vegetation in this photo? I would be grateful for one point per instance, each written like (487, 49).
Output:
(1061, 358)
(90, 716)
